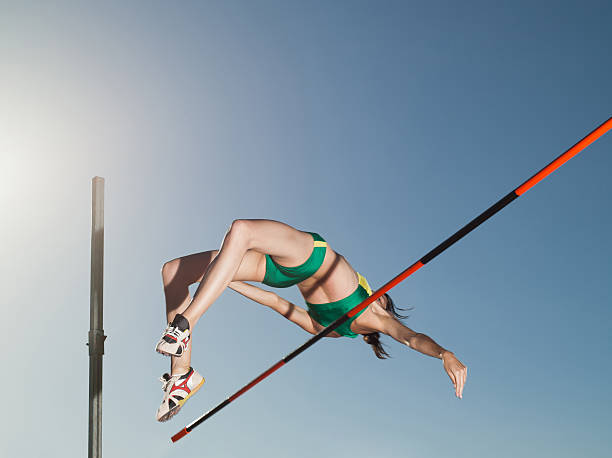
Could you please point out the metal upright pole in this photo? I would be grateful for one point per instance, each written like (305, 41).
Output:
(96, 332)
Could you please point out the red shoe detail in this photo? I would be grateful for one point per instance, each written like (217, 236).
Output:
(182, 385)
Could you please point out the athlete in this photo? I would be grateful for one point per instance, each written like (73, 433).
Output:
(277, 255)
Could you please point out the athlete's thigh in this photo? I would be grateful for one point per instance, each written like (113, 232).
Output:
(192, 268)
(286, 244)
(252, 267)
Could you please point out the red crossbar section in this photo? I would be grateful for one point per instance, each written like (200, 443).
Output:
(488, 213)
(570, 153)
(257, 380)
(181, 433)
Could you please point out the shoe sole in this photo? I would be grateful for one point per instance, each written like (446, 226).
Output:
(194, 391)
(171, 413)
(165, 353)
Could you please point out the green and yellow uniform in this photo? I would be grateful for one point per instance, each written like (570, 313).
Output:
(282, 277)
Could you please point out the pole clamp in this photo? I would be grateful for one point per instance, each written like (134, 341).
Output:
(96, 342)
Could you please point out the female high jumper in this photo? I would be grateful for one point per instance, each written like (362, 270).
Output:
(277, 255)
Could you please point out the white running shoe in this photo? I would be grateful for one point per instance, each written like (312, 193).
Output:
(177, 389)
(175, 339)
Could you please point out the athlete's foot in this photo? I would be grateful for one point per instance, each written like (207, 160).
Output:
(175, 339)
(177, 389)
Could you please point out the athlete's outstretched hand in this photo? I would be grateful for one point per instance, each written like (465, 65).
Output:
(456, 371)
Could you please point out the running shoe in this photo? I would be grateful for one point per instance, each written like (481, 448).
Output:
(175, 339)
(177, 389)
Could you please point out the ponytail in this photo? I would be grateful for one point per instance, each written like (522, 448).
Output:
(374, 340)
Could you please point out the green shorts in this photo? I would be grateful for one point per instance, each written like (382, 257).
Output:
(282, 277)
(326, 314)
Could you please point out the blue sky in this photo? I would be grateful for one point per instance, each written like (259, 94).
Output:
(384, 126)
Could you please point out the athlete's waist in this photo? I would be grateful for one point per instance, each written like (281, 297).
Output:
(361, 292)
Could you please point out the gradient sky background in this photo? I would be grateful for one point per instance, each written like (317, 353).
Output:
(384, 126)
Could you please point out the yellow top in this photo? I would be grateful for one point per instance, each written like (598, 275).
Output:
(364, 284)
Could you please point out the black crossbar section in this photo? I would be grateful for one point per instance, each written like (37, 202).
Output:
(316, 338)
(469, 227)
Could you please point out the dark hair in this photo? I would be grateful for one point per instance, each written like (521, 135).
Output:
(373, 338)
(391, 308)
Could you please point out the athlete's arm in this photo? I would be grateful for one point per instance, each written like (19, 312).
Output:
(456, 371)
(289, 310)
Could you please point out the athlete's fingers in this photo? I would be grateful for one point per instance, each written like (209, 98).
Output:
(460, 390)
(451, 375)
(463, 378)
(458, 386)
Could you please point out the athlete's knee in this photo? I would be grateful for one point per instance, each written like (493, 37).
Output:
(240, 233)
(240, 227)
(169, 270)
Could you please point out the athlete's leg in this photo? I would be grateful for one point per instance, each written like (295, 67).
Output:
(286, 244)
(179, 273)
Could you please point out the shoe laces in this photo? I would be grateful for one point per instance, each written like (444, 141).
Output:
(174, 331)
(167, 381)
